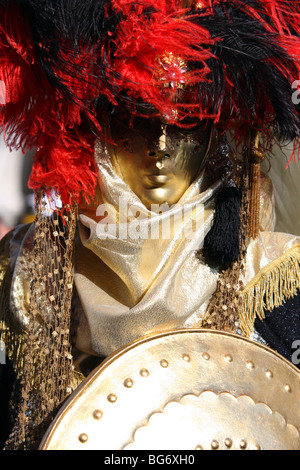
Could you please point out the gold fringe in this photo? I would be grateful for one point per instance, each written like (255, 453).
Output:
(270, 288)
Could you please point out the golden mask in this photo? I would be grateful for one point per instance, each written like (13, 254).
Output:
(158, 161)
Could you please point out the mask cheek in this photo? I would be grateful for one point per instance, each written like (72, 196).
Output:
(187, 162)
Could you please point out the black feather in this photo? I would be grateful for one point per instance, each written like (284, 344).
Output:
(244, 52)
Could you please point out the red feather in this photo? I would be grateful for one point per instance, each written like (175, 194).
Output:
(36, 115)
(142, 51)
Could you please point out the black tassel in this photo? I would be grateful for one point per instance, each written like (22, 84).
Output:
(222, 243)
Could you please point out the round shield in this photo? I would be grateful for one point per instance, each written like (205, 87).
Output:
(184, 390)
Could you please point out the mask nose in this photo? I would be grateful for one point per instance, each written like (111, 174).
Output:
(159, 145)
(160, 157)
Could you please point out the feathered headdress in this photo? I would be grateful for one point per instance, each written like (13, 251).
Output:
(236, 59)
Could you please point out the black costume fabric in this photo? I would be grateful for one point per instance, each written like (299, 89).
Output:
(7, 380)
(281, 329)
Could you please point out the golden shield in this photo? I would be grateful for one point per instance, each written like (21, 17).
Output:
(184, 390)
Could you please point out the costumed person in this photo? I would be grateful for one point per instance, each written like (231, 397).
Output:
(151, 121)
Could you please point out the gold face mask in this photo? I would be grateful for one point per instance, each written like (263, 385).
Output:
(157, 161)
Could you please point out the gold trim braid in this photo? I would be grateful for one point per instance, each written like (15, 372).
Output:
(270, 288)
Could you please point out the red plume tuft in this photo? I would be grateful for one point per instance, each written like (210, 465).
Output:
(36, 115)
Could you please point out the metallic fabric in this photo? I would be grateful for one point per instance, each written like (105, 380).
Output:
(22, 252)
(132, 287)
(268, 247)
(17, 257)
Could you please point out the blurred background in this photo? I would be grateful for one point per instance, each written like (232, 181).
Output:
(286, 184)
(16, 199)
